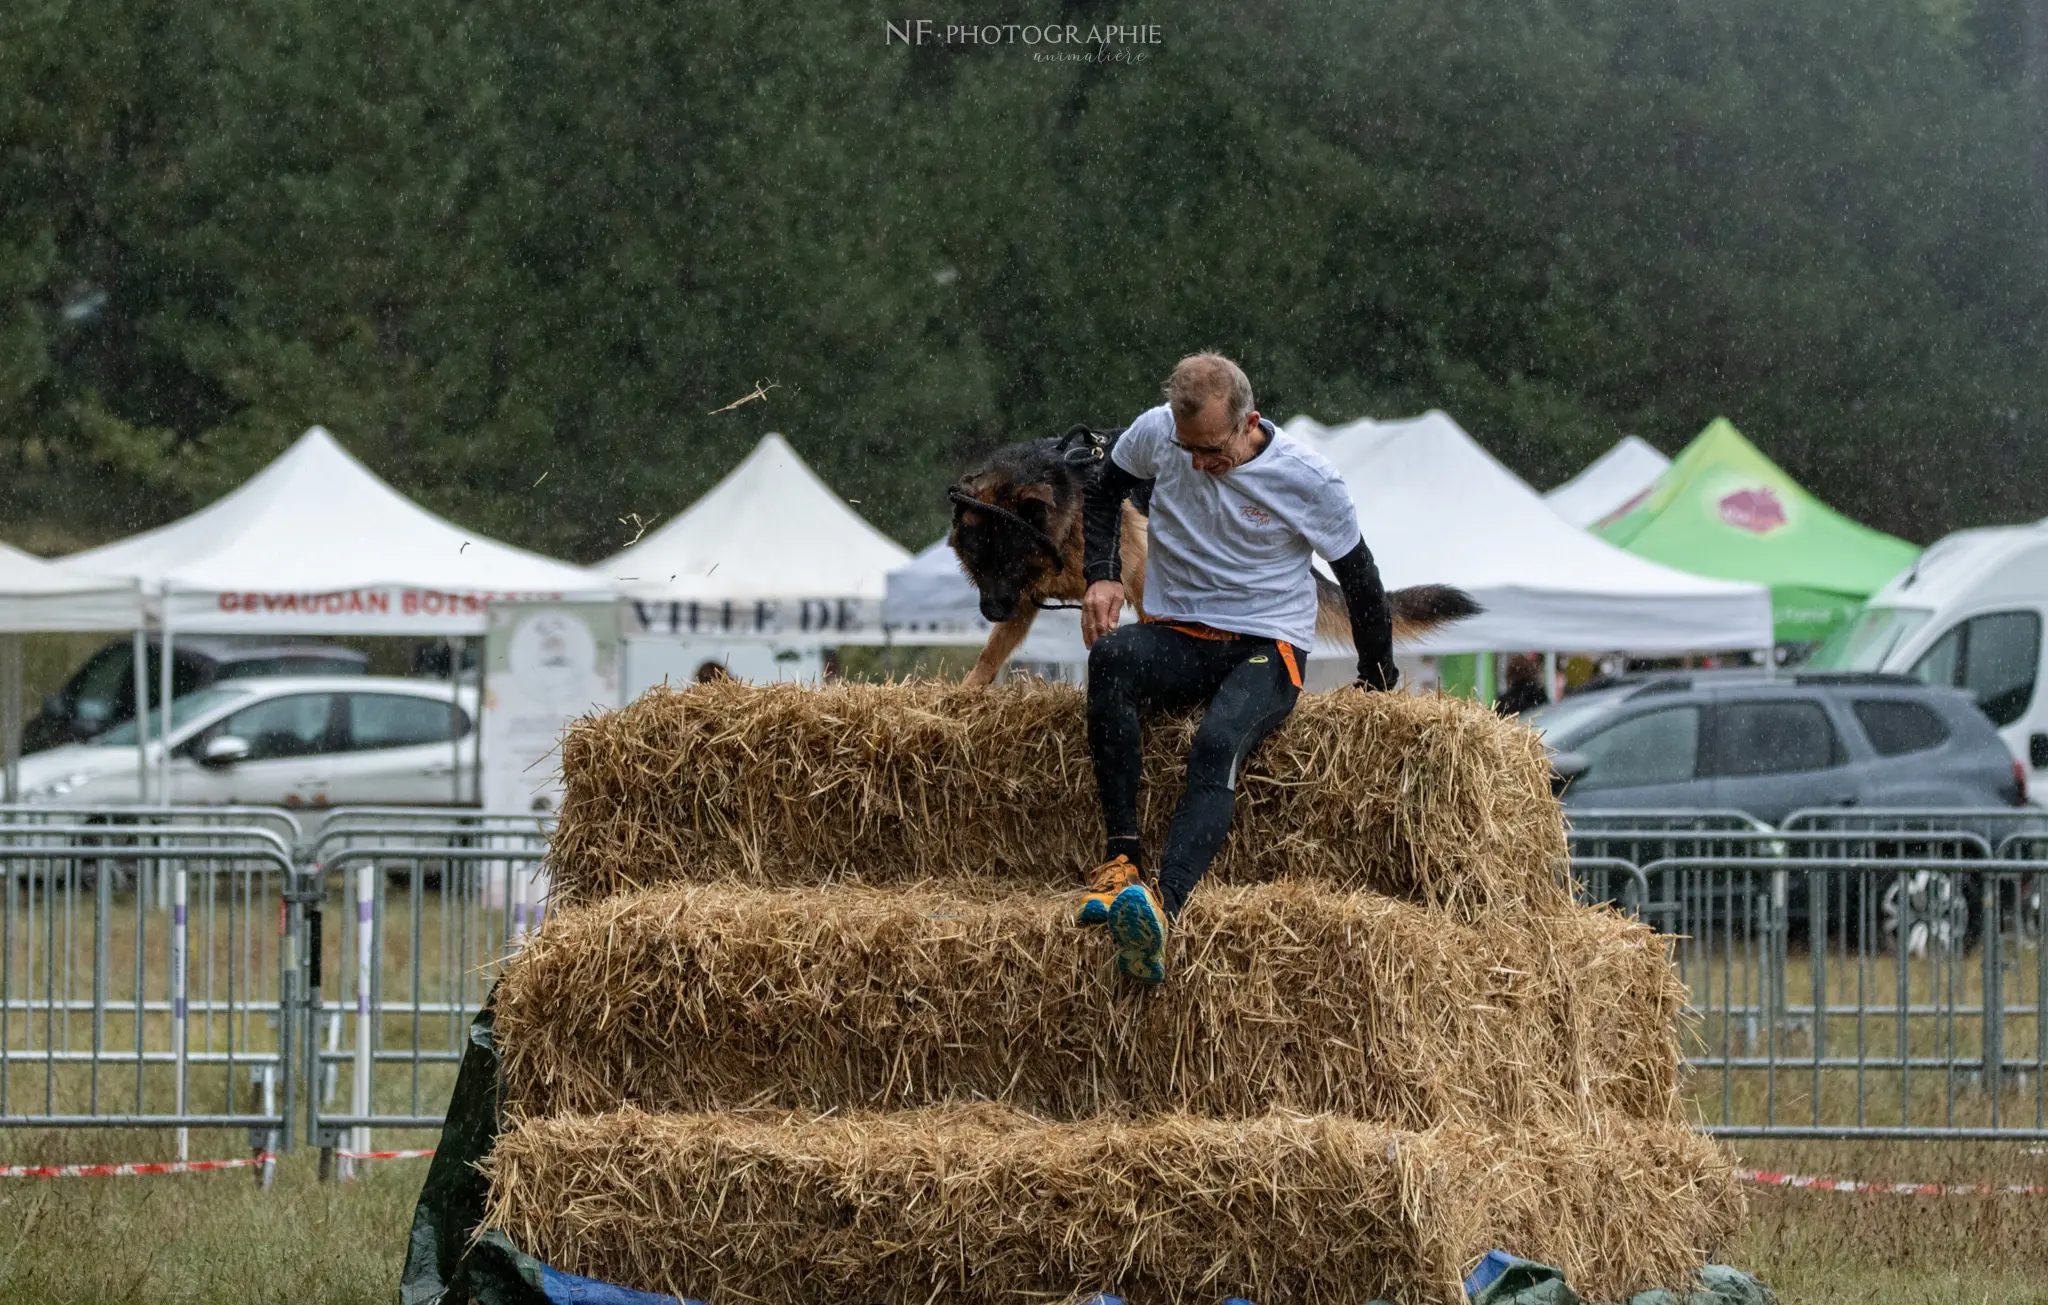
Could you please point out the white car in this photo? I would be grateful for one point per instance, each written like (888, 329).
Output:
(297, 741)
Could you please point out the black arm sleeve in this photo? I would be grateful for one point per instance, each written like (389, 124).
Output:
(1372, 618)
(1102, 522)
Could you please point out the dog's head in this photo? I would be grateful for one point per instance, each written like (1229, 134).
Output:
(1015, 518)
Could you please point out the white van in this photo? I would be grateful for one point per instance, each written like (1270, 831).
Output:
(1969, 613)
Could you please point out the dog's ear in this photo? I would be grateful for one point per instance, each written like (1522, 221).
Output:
(1037, 492)
(962, 498)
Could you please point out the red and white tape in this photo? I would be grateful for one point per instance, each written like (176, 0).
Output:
(129, 1171)
(180, 1166)
(1769, 1179)
(1764, 1177)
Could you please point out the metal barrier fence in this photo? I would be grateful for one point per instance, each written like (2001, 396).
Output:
(1851, 974)
(425, 828)
(1862, 995)
(115, 1013)
(423, 932)
(278, 820)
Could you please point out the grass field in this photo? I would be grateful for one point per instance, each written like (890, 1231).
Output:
(216, 1239)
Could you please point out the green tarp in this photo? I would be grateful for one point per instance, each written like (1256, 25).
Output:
(1723, 509)
(442, 1266)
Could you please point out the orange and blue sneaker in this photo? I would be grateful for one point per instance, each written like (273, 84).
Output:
(1138, 925)
(1104, 883)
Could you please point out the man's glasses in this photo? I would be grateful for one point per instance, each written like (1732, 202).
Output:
(1199, 449)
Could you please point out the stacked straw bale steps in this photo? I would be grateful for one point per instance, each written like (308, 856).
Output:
(706, 998)
(1423, 799)
(1321, 1210)
(811, 1021)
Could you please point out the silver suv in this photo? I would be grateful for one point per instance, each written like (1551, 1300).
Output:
(1769, 747)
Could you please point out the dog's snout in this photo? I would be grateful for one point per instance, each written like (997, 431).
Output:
(996, 608)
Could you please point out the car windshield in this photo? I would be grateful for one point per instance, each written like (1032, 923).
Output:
(184, 711)
(1864, 643)
(1562, 719)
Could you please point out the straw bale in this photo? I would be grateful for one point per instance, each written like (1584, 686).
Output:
(981, 1206)
(1425, 798)
(698, 998)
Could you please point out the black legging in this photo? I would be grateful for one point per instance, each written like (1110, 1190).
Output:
(1249, 684)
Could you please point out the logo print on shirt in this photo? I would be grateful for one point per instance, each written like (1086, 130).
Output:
(1258, 516)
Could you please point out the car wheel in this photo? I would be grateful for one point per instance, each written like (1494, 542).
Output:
(1931, 907)
(2025, 920)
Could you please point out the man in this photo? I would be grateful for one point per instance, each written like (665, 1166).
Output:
(1524, 691)
(1237, 510)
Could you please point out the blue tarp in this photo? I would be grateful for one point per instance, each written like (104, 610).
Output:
(570, 1289)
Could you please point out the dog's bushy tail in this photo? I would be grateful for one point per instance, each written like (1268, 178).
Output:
(1418, 610)
(1422, 608)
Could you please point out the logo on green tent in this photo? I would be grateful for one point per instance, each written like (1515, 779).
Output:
(1755, 510)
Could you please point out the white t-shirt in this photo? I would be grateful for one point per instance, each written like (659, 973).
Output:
(1232, 551)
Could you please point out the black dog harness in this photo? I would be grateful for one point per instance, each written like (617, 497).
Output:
(1087, 447)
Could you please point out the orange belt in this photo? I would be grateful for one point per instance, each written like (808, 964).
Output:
(1199, 631)
(1293, 667)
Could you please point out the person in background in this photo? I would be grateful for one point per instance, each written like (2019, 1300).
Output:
(1525, 691)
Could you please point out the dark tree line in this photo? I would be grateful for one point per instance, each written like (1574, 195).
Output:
(483, 241)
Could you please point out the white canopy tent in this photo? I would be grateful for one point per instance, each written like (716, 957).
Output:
(37, 596)
(1437, 508)
(1306, 428)
(49, 597)
(771, 549)
(316, 543)
(1611, 482)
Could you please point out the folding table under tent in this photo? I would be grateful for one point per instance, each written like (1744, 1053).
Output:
(40, 597)
(316, 543)
(770, 551)
(1723, 509)
(1610, 485)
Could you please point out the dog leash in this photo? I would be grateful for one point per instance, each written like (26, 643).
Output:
(967, 500)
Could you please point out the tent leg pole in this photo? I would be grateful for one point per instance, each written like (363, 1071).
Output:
(455, 739)
(163, 756)
(477, 735)
(141, 670)
(10, 687)
(1551, 689)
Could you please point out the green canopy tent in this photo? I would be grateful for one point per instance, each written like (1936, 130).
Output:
(1723, 509)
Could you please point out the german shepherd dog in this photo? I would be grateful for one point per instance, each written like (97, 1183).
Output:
(1017, 533)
